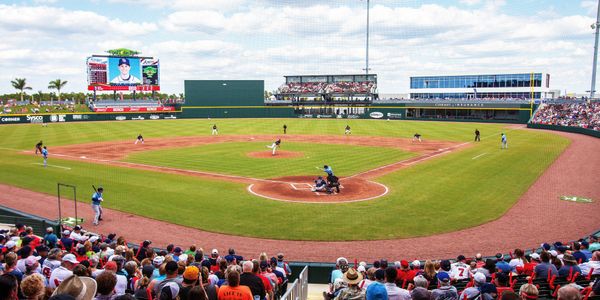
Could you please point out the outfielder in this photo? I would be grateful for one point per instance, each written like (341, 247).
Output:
(417, 137)
(214, 130)
(38, 147)
(45, 155)
(504, 141)
(275, 145)
(96, 201)
(140, 139)
(348, 131)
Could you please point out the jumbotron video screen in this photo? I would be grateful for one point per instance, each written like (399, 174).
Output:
(114, 73)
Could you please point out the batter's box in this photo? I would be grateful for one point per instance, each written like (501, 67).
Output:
(301, 186)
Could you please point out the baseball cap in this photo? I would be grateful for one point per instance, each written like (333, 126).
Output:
(553, 253)
(546, 246)
(376, 291)
(445, 265)
(341, 260)
(31, 260)
(66, 232)
(191, 273)
(77, 227)
(10, 244)
(479, 277)
(183, 257)
(264, 264)
(534, 256)
(214, 251)
(70, 258)
(404, 263)
(122, 61)
(111, 266)
(420, 293)
(93, 238)
(49, 229)
(443, 276)
(157, 261)
(280, 255)
(177, 250)
(416, 264)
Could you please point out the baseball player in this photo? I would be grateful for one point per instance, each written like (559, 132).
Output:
(38, 147)
(284, 129)
(124, 77)
(347, 130)
(417, 137)
(477, 135)
(327, 169)
(140, 139)
(320, 185)
(504, 141)
(214, 130)
(275, 145)
(96, 201)
(45, 155)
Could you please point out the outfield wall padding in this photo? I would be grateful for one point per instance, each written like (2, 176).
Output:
(579, 130)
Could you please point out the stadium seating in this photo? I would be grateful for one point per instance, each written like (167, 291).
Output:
(366, 87)
(95, 254)
(579, 114)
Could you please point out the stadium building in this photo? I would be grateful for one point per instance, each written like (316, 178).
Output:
(492, 86)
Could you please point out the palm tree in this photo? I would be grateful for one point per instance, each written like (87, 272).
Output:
(21, 85)
(57, 85)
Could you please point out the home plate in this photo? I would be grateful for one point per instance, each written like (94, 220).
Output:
(82, 157)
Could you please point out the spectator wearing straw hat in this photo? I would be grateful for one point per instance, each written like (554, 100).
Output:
(352, 291)
(80, 288)
(570, 266)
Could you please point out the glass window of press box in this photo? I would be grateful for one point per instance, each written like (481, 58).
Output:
(476, 81)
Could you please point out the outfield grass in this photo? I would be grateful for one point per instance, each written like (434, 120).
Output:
(232, 159)
(444, 194)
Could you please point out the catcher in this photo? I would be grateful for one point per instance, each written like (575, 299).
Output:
(38, 147)
(320, 185)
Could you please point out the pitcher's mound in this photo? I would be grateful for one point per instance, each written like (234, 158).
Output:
(298, 189)
(278, 154)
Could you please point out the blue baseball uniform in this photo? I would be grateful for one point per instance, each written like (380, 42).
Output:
(96, 201)
(328, 170)
(504, 141)
(45, 155)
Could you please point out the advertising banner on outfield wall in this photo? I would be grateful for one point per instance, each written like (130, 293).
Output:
(60, 118)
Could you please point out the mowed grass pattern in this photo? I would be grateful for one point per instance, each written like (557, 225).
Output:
(232, 159)
(443, 194)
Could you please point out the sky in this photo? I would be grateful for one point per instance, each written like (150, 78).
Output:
(43, 40)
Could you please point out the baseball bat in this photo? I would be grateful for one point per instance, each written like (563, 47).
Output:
(95, 190)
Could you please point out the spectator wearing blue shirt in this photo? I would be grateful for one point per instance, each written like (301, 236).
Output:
(50, 238)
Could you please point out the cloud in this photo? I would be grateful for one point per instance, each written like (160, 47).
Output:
(470, 2)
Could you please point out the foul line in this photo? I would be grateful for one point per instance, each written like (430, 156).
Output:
(480, 155)
(61, 167)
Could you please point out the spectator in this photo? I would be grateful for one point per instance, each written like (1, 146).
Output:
(9, 287)
(570, 266)
(341, 266)
(501, 282)
(197, 293)
(429, 273)
(479, 280)
(352, 291)
(50, 238)
(542, 269)
(568, 292)
(32, 287)
(594, 263)
(81, 288)
(252, 281)
(393, 291)
(233, 291)
(106, 283)
(518, 261)
(171, 270)
(528, 292)
(460, 270)
(376, 291)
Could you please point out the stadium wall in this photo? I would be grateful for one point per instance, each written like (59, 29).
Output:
(224, 92)
(566, 129)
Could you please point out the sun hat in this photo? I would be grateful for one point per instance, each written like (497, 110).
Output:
(82, 288)
(352, 276)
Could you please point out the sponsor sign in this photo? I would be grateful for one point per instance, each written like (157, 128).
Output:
(376, 115)
(353, 117)
(394, 116)
(305, 116)
(170, 117)
(80, 117)
(323, 116)
(10, 119)
(154, 117)
(35, 119)
(57, 118)
(120, 118)
(134, 109)
(138, 118)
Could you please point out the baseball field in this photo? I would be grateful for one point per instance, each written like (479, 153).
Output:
(393, 187)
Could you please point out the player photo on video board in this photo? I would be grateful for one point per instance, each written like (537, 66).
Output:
(124, 71)
(150, 70)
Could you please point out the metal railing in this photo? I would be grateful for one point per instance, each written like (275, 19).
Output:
(299, 288)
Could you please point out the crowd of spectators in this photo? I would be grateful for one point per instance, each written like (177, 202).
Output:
(26, 107)
(365, 87)
(582, 114)
(522, 276)
(77, 265)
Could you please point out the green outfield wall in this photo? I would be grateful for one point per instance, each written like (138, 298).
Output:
(224, 92)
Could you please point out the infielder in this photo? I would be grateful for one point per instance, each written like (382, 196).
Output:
(348, 131)
(45, 155)
(140, 139)
(38, 147)
(504, 141)
(214, 130)
(417, 137)
(275, 145)
(96, 201)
